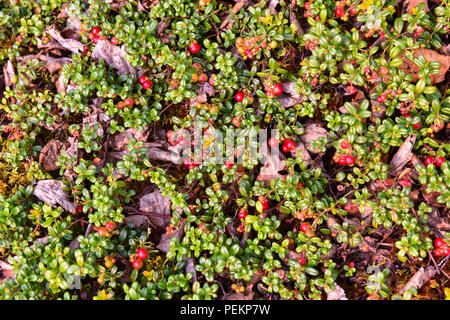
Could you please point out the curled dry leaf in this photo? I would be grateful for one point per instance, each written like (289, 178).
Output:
(203, 92)
(72, 45)
(114, 56)
(155, 202)
(273, 164)
(409, 67)
(403, 155)
(337, 294)
(313, 131)
(52, 193)
(10, 74)
(6, 270)
(54, 64)
(49, 155)
(164, 243)
(420, 278)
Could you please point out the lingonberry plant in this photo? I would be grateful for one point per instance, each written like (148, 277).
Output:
(103, 105)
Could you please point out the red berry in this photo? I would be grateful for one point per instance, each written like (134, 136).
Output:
(79, 208)
(380, 99)
(342, 161)
(110, 225)
(302, 261)
(300, 185)
(288, 145)
(349, 160)
(439, 161)
(273, 142)
(417, 125)
(405, 183)
(236, 122)
(338, 12)
(446, 251)
(384, 71)
(428, 160)
(239, 97)
(102, 232)
(114, 41)
(229, 164)
(195, 47)
(142, 254)
(120, 105)
(137, 264)
(304, 226)
(439, 243)
(307, 5)
(242, 214)
(129, 102)
(95, 31)
(278, 89)
(181, 141)
(147, 84)
(95, 39)
(345, 144)
(351, 264)
(438, 252)
(142, 79)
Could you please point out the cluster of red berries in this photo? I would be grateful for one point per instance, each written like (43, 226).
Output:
(189, 164)
(128, 102)
(306, 229)
(372, 31)
(273, 89)
(311, 44)
(437, 126)
(351, 89)
(106, 230)
(95, 35)
(137, 259)
(438, 161)
(344, 159)
(442, 248)
(110, 261)
(288, 145)
(418, 32)
(340, 11)
(145, 82)
(199, 76)
(250, 46)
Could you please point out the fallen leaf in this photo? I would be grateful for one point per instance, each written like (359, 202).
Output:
(419, 279)
(337, 294)
(300, 147)
(72, 45)
(164, 243)
(52, 193)
(10, 74)
(139, 221)
(49, 155)
(54, 64)
(273, 164)
(409, 67)
(155, 202)
(121, 140)
(313, 131)
(6, 271)
(403, 155)
(236, 8)
(113, 56)
(203, 92)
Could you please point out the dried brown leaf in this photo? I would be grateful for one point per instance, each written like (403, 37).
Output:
(409, 67)
(403, 155)
(155, 202)
(164, 244)
(72, 45)
(52, 193)
(49, 155)
(114, 56)
(313, 131)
